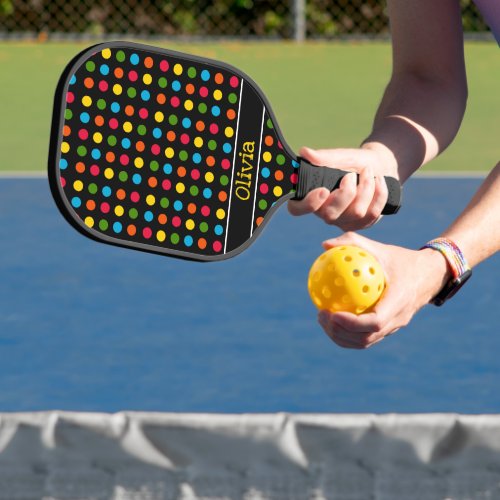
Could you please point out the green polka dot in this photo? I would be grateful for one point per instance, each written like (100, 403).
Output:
(92, 188)
(212, 145)
(120, 56)
(112, 140)
(173, 120)
(131, 92)
(194, 191)
(141, 130)
(133, 213)
(202, 108)
(162, 82)
(101, 104)
(68, 114)
(174, 238)
(232, 98)
(154, 166)
(82, 150)
(90, 66)
(103, 225)
(164, 203)
(262, 204)
(269, 123)
(280, 160)
(123, 176)
(191, 72)
(224, 180)
(183, 155)
(203, 227)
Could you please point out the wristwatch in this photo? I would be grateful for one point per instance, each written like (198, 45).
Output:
(459, 267)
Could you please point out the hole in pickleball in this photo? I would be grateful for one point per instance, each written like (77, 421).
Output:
(371, 270)
(327, 293)
(366, 289)
(347, 258)
(362, 254)
(356, 273)
(379, 288)
(339, 281)
(316, 276)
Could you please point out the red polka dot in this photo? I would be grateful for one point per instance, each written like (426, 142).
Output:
(205, 210)
(94, 170)
(176, 221)
(164, 65)
(83, 134)
(103, 86)
(226, 164)
(185, 139)
(124, 159)
(147, 233)
(132, 76)
(234, 82)
(195, 174)
(217, 246)
(135, 196)
(155, 149)
(105, 208)
(175, 102)
(70, 97)
(294, 178)
(63, 182)
(264, 188)
(203, 91)
(113, 123)
(166, 185)
(214, 129)
(143, 113)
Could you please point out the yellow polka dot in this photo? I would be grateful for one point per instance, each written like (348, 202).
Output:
(119, 210)
(198, 142)
(178, 69)
(188, 105)
(159, 116)
(87, 101)
(78, 185)
(220, 214)
(209, 177)
(161, 236)
(229, 132)
(64, 147)
(217, 95)
(267, 156)
(147, 78)
(97, 137)
(190, 224)
(169, 153)
(117, 89)
(89, 221)
(139, 162)
(277, 191)
(180, 187)
(127, 127)
(108, 173)
(106, 53)
(150, 200)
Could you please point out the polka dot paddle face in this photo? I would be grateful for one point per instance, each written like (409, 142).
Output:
(170, 153)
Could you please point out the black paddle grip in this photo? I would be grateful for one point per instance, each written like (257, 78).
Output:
(312, 177)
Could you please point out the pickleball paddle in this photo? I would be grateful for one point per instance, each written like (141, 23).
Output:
(171, 153)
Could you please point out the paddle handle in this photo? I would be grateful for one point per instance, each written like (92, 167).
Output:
(312, 177)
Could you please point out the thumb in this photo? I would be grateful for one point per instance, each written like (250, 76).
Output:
(338, 158)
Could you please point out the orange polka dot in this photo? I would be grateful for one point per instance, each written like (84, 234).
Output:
(99, 120)
(278, 175)
(121, 194)
(231, 114)
(88, 82)
(192, 208)
(200, 126)
(162, 219)
(181, 172)
(110, 157)
(219, 78)
(171, 135)
(269, 140)
(152, 182)
(80, 167)
(222, 196)
(66, 130)
(129, 110)
(90, 205)
(131, 230)
(190, 88)
(119, 72)
(259, 221)
(202, 243)
(210, 161)
(139, 145)
(148, 62)
(161, 99)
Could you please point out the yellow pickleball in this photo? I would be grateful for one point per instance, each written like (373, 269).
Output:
(346, 278)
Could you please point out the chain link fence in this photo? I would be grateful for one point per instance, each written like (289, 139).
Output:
(286, 19)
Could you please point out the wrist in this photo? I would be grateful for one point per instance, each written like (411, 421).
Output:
(386, 157)
(437, 274)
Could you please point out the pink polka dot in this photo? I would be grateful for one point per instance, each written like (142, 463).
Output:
(105, 208)
(195, 174)
(164, 65)
(226, 164)
(124, 159)
(185, 139)
(135, 196)
(83, 134)
(176, 221)
(264, 188)
(166, 185)
(203, 91)
(217, 246)
(147, 233)
(143, 113)
(280, 145)
(103, 86)
(70, 97)
(234, 82)
(175, 102)
(205, 210)
(113, 123)
(132, 76)
(294, 178)
(63, 182)
(94, 170)
(214, 129)
(155, 149)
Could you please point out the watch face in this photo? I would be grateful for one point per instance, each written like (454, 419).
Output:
(451, 288)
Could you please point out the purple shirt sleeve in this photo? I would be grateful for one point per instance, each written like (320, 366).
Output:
(490, 9)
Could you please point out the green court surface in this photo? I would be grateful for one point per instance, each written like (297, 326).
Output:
(323, 94)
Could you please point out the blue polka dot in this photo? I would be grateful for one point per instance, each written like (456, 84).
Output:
(76, 202)
(63, 164)
(72, 80)
(178, 205)
(106, 191)
(136, 178)
(134, 59)
(188, 241)
(117, 227)
(156, 133)
(218, 229)
(265, 172)
(84, 117)
(295, 164)
(207, 193)
(115, 107)
(197, 158)
(205, 75)
(227, 148)
(145, 95)
(167, 168)
(186, 122)
(96, 154)
(126, 143)
(176, 86)
(148, 216)
(104, 69)
(215, 110)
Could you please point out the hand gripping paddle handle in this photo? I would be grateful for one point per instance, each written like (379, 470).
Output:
(312, 177)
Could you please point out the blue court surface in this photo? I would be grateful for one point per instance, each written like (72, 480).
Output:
(91, 327)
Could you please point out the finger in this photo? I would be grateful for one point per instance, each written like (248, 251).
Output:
(338, 157)
(338, 201)
(380, 196)
(348, 238)
(365, 191)
(338, 334)
(311, 203)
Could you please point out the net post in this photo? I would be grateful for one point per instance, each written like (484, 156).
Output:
(299, 20)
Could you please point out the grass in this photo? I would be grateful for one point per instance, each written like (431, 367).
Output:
(323, 94)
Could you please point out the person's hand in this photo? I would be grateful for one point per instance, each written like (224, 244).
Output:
(351, 206)
(413, 278)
